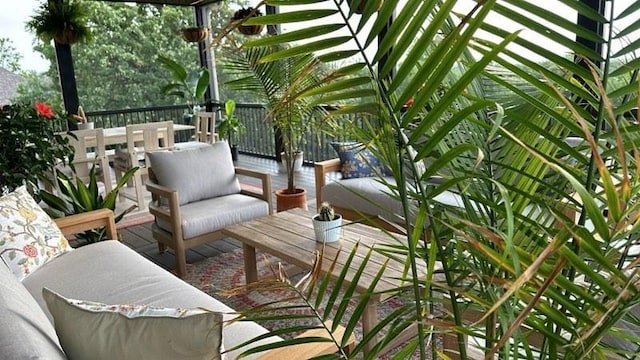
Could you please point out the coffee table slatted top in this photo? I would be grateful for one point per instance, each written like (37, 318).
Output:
(289, 235)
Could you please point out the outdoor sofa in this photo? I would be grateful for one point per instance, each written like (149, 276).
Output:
(106, 272)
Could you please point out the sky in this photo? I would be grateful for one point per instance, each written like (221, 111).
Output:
(13, 16)
(15, 13)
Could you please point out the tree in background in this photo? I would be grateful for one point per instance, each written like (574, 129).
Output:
(9, 56)
(118, 69)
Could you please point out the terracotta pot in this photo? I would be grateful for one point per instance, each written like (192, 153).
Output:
(286, 201)
(194, 34)
(250, 29)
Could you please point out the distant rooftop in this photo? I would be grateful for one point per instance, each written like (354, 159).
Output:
(8, 85)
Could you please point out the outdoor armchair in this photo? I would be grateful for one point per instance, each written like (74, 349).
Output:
(196, 194)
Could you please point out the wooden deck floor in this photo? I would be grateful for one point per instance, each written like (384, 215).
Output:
(139, 237)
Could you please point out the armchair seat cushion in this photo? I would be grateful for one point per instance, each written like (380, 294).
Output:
(206, 216)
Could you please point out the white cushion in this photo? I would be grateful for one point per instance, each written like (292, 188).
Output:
(28, 236)
(92, 330)
(196, 173)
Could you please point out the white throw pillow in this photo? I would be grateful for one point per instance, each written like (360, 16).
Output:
(90, 330)
(28, 236)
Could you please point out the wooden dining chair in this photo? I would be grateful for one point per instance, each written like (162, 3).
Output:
(89, 150)
(141, 139)
(205, 127)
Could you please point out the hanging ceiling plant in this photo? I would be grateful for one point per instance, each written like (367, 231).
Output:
(65, 22)
(194, 34)
(242, 14)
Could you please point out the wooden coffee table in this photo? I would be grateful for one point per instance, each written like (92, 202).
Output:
(289, 236)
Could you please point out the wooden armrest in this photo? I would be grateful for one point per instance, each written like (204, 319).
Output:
(265, 179)
(321, 169)
(171, 213)
(77, 223)
(310, 350)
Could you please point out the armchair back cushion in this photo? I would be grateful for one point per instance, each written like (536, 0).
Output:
(196, 173)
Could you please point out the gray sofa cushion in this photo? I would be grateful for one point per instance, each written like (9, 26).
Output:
(111, 273)
(25, 331)
(198, 217)
(196, 173)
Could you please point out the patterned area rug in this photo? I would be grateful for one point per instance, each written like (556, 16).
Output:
(216, 275)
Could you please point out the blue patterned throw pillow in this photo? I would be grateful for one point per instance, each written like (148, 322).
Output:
(357, 161)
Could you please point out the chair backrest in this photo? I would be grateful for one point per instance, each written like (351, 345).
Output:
(144, 138)
(89, 149)
(205, 127)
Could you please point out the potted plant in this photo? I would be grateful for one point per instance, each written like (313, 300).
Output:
(83, 123)
(63, 21)
(77, 197)
(327, 224)
(30, 145)
(230, 127)
(194, 34)
(186, 85)
(281, 84)
(242, 14)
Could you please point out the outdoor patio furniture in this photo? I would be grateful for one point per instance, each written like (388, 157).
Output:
(153, 136)
(206, 127)
(89, 150)
(196, 194)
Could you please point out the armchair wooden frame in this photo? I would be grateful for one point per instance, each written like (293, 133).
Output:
(165, 205)
(73, 224)
(322, 169)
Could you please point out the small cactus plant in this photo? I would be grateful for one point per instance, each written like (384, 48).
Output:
(326, 212)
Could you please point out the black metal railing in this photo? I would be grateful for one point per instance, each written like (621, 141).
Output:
(257, 141)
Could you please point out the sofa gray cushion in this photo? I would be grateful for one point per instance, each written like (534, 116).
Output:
(196, 173)
(198, 217)
(25, 331)
(111, 273)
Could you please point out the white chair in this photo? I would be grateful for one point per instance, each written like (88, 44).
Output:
(89, 149)
(153, 137)
(205, 127)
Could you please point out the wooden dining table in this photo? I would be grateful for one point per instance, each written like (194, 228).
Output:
(118, 135)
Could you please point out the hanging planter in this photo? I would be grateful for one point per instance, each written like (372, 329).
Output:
(194, 34)
(65, 22)
(243, 14)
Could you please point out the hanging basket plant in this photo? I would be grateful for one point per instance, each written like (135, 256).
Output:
(194, 34)
(246, 13)
(65, 22)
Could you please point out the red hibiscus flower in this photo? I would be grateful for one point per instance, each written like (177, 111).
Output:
(30, 251)
(44, 110)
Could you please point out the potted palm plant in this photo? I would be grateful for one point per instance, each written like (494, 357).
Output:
(63, 21)
(527, 263)
(231, 127)
(281, 83)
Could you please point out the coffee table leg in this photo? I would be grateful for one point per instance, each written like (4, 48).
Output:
(250, 268)
(369, 320)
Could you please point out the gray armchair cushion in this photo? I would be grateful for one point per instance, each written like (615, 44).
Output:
(196, 173)
(215, 214)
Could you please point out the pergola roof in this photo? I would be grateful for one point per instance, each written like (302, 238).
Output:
(169, 2)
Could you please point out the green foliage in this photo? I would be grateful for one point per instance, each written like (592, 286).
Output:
(282, 84)
(77, 197)
(188, 86)
(30, 147)
(65, 21)
(533, 153)
(9, 56)
(231, 127)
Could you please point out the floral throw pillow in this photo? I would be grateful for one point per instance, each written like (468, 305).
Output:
(91, 330)
(28, 236)
(357, 161)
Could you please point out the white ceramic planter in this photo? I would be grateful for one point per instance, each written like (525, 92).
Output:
(85, 126)
(327, 231)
